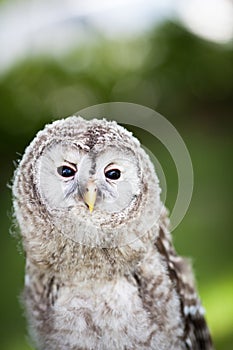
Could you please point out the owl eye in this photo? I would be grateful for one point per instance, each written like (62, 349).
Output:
(66, 171)
(113, 174)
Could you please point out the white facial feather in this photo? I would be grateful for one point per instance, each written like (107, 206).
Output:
(113, 196)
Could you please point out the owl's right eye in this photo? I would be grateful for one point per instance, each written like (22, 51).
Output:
(66, 171)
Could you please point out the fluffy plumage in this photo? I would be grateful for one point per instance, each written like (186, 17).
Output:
(106, 277)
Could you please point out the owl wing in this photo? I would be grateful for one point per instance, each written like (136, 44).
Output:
(196, 335)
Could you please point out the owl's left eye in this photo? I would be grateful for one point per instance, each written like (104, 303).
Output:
(66, 171)
(113, 174)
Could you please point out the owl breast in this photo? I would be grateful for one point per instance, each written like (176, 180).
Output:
(110, 315)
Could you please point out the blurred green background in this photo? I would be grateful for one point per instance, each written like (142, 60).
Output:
(187, 79)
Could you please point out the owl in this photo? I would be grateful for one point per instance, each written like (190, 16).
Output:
(101, 270)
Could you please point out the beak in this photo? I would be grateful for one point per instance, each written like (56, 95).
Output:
(90, 195)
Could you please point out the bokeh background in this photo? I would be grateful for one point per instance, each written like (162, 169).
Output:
(176, 57)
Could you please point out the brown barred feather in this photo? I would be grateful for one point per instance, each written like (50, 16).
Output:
(196, 332)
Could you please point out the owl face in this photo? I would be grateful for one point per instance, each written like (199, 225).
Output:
(102, 179)
(90, 181)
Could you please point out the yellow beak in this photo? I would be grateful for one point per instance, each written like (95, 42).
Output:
(90, 195)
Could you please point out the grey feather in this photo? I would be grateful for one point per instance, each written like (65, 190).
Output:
(107, 279)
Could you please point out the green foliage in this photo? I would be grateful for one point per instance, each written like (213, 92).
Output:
(189, 81)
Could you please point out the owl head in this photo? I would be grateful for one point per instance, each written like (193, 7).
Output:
(89, 180)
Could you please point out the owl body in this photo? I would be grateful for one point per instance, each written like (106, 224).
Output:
(99, 312)
(101, 270)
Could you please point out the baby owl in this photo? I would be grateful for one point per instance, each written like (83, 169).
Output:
(101, 270)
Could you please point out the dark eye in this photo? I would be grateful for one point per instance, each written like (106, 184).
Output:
(66, 171)
(113, 174)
